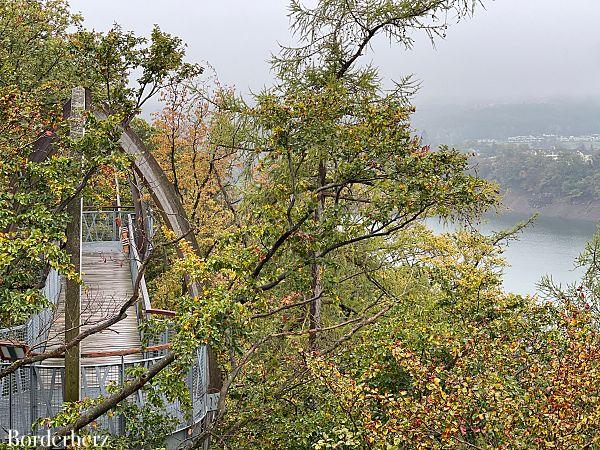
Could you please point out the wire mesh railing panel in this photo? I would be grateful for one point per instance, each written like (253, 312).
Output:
(199, 384)
(20, 399)
(28, 395)
(100, 226)
(14, 334)
(36, 392)
(48, 391)
(173, 409)
(95, 382)
(35, 331)
(39, 325)
(158, 339)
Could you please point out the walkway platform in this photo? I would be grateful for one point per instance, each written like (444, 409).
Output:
(107, 286)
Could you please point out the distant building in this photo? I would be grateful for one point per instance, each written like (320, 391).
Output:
(586, 158)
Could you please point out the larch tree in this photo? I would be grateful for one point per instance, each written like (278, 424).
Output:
(327, 177)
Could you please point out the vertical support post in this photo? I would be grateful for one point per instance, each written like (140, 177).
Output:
(72, 384)
(10, 401)
(122, 383)
(33, 389)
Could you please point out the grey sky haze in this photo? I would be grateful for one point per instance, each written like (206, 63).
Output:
(513, 51)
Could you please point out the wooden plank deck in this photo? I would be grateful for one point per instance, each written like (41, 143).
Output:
(107, 286)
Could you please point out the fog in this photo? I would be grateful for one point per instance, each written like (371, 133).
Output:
(511, 51)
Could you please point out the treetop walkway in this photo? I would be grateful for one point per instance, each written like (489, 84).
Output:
(109, 272)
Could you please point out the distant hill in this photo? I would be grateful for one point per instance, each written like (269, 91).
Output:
(455, 124)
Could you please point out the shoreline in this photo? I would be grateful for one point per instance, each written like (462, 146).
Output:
(518, 203)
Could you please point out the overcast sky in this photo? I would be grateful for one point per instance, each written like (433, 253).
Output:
(514, 51)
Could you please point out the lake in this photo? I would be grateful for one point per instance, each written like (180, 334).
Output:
(548, 247)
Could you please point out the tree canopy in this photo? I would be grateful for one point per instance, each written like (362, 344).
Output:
(337, 318)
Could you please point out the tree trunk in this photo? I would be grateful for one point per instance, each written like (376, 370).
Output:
(73, 305)
(316, 269)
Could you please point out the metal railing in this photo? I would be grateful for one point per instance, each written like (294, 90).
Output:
(198, 376)
(35, 391)
(20, 405)
(35, 331)
(100, 226)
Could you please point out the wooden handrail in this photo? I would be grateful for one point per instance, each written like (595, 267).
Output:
(161, 312)
(126, 352)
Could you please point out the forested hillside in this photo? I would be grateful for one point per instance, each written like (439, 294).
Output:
(545, 176)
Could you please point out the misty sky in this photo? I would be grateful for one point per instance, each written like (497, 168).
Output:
(514, 51)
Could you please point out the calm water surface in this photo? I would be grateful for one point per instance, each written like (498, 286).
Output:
(548, 247)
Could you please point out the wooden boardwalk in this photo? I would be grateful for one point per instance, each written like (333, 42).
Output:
(107, 286)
